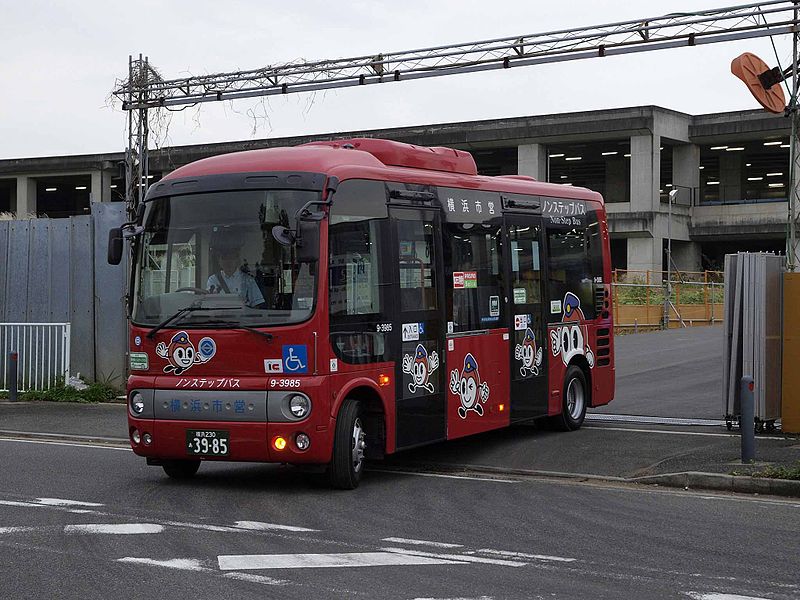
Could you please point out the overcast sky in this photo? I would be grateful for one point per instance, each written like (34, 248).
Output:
(59, 62)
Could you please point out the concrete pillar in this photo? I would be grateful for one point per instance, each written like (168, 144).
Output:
(645, 173)
(26, 197)
(532, 161)
(730, 176)
(686, 173)
(644, 254)
(101, 186)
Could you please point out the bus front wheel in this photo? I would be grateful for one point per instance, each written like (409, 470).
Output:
(574, 400)
(181, 469)
(347, 462)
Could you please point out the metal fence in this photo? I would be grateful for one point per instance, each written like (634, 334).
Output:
(43, 351)
(639, 298)
(55, 271)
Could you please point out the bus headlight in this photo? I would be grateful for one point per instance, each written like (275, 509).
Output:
(137, 403)
(300, 406)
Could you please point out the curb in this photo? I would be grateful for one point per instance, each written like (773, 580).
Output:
(725, 483)
(684, 480)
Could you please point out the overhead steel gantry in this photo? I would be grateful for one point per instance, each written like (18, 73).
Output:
(146, 89)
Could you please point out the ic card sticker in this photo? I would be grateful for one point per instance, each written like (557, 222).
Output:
(555, 307)
(494, 306)
(139, 361)
(273, 365)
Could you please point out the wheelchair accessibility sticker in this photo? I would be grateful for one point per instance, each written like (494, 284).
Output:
(295, 359)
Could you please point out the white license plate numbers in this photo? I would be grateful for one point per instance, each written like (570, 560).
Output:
(204, 442)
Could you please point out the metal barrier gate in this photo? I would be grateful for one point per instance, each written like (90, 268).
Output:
(42, 354)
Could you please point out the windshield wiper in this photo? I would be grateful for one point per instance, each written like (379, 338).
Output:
(184, 311)
(238, 325)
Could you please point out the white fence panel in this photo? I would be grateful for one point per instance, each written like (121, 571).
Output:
(43, 354)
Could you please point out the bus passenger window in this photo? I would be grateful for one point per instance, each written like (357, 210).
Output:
(576, 262)
(416, 251)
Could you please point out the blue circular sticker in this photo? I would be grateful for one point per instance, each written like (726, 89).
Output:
(207, 348)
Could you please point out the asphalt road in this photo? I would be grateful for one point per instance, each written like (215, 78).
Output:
(675, 373)
(95, 522)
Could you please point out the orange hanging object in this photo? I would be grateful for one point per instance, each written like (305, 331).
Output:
(748, 67)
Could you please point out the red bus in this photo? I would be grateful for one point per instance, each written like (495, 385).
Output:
(344, 300)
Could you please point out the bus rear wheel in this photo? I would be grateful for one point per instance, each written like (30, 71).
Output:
(347, 462)
(574, 400)
(181, 469)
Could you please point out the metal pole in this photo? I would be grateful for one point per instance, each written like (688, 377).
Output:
(668, 291)
(12, 376)
(794, 171)
(747, 419)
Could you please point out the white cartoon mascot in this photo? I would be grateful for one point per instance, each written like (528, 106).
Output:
(529, 354)
(467, 385)
(570, 338)
(181, 353)
(420, 367)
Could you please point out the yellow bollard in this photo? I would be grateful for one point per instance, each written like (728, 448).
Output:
(790, 396)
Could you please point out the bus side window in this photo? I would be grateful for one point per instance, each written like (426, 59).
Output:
(358, 279)
(576, 262)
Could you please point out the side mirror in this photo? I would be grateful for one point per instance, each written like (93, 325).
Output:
(115, 246)
(307, 241)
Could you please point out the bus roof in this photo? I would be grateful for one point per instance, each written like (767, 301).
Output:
(387, 160)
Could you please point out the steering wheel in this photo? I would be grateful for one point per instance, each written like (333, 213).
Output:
(194, 290)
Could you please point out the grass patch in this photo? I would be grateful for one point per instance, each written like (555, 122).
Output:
(95, 392)
(779, 472)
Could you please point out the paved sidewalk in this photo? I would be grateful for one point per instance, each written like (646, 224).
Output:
(639, 453)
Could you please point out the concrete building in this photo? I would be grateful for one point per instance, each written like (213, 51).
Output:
(731, 171)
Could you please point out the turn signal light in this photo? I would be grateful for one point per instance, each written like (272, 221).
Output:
(279, 443)
(501, 407)
(383, 380)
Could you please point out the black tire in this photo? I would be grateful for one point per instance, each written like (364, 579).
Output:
(575, 397)
(181, 469)
(347, 462)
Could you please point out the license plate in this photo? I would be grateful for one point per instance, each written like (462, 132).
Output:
(204, 442)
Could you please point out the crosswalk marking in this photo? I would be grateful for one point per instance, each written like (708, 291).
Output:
(464, 558)
(413, 542)
(244, 562)
(258, 526)
(115, 528)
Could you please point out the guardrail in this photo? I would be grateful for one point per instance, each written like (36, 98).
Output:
(42, 354)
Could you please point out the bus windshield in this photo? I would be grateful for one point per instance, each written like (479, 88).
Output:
(215, 253)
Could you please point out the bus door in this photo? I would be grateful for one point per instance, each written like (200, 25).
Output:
(418, 293)
(528, 347)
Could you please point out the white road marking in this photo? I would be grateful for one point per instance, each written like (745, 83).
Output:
(73, 444)
(721, 596)
(202, 526)
(442, 476)
(457, 557)
(258, 526)
(184, 564)
(475, 598)
(18, 503)
(256, 578)
(16, 529)
(115, 528)
(421, 542)
(242, 562)
(525, 556)
(668, 432)
(62, 502)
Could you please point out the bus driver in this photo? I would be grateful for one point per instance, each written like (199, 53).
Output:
(230, 278)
